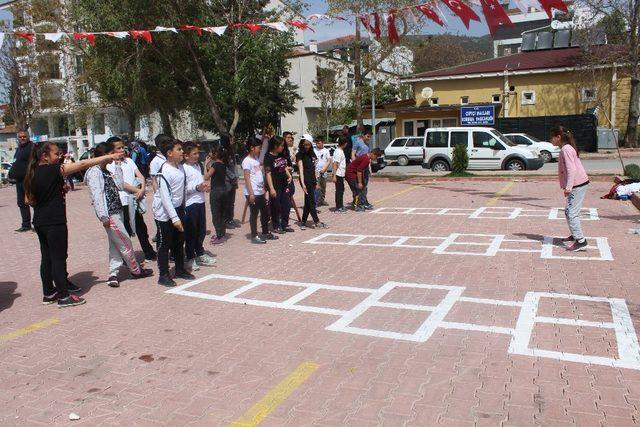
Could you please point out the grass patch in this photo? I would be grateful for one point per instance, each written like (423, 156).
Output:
(459, 174)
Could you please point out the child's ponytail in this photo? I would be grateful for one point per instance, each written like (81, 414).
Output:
(37, 152)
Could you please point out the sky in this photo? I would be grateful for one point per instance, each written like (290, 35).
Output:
(332, 29)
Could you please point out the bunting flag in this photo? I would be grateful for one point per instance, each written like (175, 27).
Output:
(376, 26)
(464, 12)
(118, 34)
(254, 28)
(192, 28)
(53, 37)
(525, 6)
(392, 31)
(547, 5)
(301, 25)
(141, 34)
(160, 29)
(217, 30)
(366, 23)
(90, 37)
(27, 36)
(1, 40)
(495, 15)
(430, 13)
(280, 26)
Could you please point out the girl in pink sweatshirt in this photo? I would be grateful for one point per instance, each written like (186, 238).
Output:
(574, 182)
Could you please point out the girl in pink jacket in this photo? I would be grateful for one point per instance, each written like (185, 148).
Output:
(574, 182)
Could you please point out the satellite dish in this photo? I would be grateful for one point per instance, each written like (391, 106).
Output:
(427, 93)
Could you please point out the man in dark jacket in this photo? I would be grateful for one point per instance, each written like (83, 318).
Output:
(18, 172)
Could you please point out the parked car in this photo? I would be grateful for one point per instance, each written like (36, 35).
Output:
(488, 149)
(546, 150)
(4, 171)
(405, 149)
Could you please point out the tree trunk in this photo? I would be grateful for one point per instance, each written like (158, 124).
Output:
(213, 106)
(165, 120)
(631, 139)
(132, 118)
(357, 76)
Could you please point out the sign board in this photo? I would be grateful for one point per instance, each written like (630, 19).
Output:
(482, 115)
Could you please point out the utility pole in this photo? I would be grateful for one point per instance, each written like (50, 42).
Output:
(373, 109)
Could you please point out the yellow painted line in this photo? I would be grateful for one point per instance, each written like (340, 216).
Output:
(33, 327)
(406, 190)
(276, 396)
(499, 194)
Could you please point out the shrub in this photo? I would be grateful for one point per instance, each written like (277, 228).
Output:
(632, 171)
(460, 160)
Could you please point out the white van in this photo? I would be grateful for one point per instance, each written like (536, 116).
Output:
(487, 148)
(546, 150)
(405, 150)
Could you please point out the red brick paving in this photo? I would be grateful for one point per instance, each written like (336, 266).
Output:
(139, 356)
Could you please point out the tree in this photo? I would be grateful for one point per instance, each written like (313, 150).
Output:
(366, 61)
(329, 92)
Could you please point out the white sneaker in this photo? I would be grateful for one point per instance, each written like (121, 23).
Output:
(206, 261)
(192, 265)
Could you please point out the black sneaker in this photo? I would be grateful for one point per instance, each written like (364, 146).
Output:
(73, 288)
(321, 225)
(258, 240)
(151, 256)
(144, 272)
(185, 275)
(166, 281)
(567, 240)
(369, 207)
(23, 229)
(289, 230)
(70, 301)
(113, 282)
(46, 300)
(279, 231)
(231, 224)
(270, 236)
(578, 246)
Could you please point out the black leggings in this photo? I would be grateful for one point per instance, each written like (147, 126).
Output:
(195, 229)
(310, 204)
(53, 265)
(219, 215)
(259, 207)
(170, 238)
(339, 192)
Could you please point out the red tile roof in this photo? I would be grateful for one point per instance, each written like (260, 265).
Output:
(531, 60)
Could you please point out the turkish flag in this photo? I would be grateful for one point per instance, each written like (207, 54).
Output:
(376, 26)
(392, 32)
(253, 27)
(366, 22)
(27, 36)
(192, 27)
(547, 5)
(495, 15)
(464, 12)
(142, 34)
(430, 13)
(301, 25)
(90, 37)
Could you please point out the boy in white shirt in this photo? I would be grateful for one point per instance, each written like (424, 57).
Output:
(339, 169)
(195, 225)
(168, 211)
(254, 192)
(322, 165)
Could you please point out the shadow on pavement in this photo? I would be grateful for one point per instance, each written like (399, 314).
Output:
(85, 280)
(8, 294)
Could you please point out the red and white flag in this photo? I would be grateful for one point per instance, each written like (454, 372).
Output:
(464, 12)
(280, 26)
(90, 37)
(142, 34)
(53, 37)
(217, 30)
(548, 5)
(430, 13)
(495, 15)
(118, 34)
(392, 31)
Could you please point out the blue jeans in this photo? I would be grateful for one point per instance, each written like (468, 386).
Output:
(572, 211)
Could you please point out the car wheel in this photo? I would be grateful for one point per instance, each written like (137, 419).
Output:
(439, 166)
(515, 165)
(546, 156)
(403, 161)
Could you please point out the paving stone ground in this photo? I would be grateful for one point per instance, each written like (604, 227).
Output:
(204, 355)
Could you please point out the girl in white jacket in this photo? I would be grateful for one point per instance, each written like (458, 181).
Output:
(104, 188)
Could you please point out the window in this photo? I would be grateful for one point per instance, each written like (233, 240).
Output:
(528, 97)
(434, 101)
(520, 140)
(414, 142)
(449, 122)
(98, 124)
(350, 80)
(414, 127)
(437, 139)
(399, 142)
(484, 140)
(464, 100)
(588, 94)
(459, 138)
(506, 51)
(408, 128)
(421, 127)
(495, 99)
(50, 96)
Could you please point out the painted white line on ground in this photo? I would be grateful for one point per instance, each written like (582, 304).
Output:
(490, 212)
(493, 243)
(626, 338)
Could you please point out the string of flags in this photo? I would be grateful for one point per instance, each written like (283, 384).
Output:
(494, 14)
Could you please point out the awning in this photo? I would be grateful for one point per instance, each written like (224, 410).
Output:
(365, 122)
(430, 108)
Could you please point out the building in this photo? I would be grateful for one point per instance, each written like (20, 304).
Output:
(536, 83)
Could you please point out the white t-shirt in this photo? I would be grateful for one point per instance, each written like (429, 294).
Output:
(323, 156)
(339, 157)
(255, 174)
(170, 194)
(129, 169)
(157, 161)
(194, 178)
